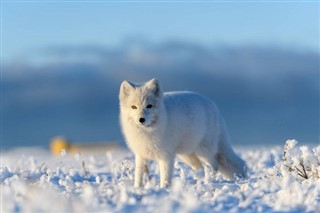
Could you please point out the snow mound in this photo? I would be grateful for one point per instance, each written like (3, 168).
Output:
(280, 179)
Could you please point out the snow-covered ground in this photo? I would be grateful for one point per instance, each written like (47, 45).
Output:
(33, 180)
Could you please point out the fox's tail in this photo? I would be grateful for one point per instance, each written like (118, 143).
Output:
(229, 163)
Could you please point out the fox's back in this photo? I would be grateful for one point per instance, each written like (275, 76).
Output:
(190, 104)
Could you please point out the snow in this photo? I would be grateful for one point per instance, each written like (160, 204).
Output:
(34, 180)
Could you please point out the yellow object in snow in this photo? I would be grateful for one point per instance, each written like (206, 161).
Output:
(58, 144)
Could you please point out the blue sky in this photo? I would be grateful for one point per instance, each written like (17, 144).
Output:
(29, 26)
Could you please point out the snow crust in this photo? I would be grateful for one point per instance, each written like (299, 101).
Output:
(33, 180)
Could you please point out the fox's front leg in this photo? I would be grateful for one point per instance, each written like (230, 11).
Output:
(166, 167)
(140, 168)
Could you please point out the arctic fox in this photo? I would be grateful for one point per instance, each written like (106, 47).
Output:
(158, 126)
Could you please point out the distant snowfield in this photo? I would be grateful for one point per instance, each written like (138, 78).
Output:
(33, 180)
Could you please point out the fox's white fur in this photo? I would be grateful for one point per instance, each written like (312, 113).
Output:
(159, 126)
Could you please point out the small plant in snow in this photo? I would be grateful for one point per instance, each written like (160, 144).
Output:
(302, 161)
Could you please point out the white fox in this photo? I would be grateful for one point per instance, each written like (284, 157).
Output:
(158, 126)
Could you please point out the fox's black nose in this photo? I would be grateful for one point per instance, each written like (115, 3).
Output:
(142, 120)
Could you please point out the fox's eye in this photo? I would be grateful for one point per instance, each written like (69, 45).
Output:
(149, 106)
(133, 107)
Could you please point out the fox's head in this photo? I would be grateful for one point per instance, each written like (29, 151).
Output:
(141, 103)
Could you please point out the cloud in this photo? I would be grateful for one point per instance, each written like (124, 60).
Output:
(263, 87)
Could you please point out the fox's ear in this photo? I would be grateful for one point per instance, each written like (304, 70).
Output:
(125, 88)
(154, 86)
